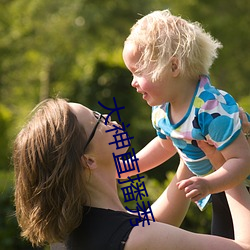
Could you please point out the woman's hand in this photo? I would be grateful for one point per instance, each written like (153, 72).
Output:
(245, 124)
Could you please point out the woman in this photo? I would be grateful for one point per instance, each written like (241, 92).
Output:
(65, 189)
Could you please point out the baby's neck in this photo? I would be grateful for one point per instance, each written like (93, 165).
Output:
(180, 105)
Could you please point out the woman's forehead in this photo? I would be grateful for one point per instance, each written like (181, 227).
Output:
(78, 108)
(84, 115)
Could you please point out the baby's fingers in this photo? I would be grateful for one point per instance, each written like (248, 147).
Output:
(184, 183)
(194, 195)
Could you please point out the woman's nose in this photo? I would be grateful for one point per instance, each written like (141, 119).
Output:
(109, 118)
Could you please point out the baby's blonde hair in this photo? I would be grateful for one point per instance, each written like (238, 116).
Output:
(161, 36)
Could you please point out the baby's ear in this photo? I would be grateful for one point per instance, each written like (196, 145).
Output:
(175, 66)
(89, 161)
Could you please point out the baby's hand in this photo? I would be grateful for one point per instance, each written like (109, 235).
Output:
(195, 187)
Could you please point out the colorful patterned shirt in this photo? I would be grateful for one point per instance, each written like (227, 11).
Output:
(213, 115)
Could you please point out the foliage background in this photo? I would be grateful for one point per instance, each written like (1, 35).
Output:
(72, 48)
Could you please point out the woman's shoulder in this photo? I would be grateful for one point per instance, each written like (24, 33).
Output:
(101, 229)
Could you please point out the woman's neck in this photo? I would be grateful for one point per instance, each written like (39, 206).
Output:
(102, 189)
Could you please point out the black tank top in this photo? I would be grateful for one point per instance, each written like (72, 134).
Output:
(101, 229)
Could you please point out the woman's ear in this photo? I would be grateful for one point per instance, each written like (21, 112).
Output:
(175, 66)
(89, 161)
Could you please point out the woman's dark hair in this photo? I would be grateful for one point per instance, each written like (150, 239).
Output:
(49, 182)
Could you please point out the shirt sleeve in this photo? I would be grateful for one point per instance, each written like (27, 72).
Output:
(219, 120)
(160, 122)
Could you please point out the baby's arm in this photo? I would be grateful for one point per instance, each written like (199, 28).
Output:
(152, 155)
(233, 172)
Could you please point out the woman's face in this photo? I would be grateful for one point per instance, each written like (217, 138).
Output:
(101, 139)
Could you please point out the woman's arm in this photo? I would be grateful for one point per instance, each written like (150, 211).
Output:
(171, 207)
(160, 236)
(239, 203)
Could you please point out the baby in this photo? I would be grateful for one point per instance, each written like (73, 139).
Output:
(170, 59)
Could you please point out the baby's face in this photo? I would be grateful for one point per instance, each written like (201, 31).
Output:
(152, 92)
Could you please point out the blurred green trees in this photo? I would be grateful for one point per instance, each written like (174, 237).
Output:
(72, 48)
